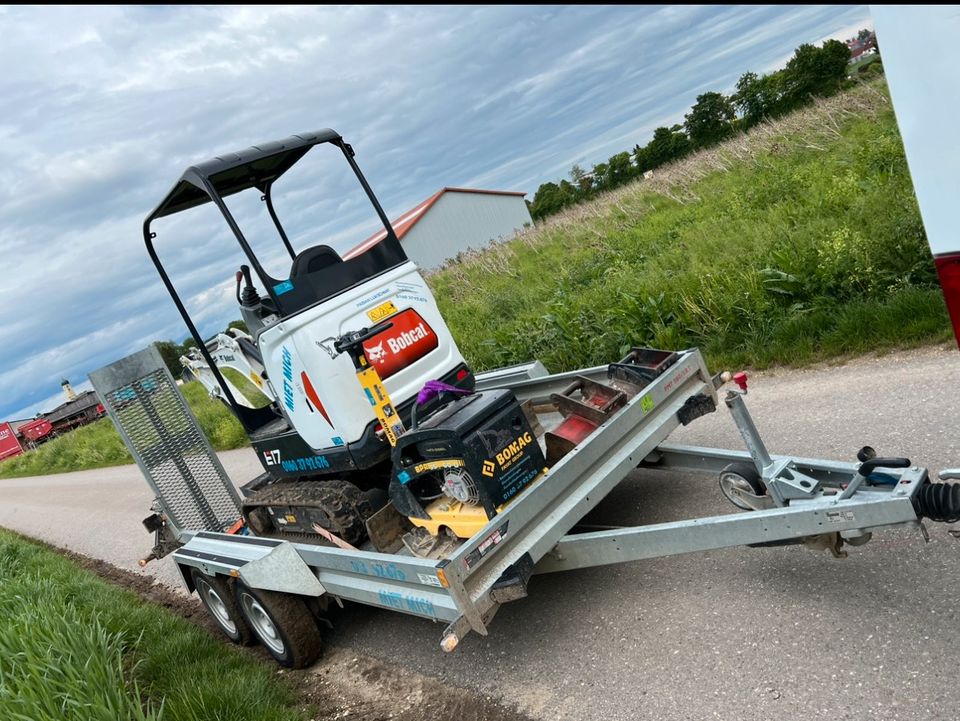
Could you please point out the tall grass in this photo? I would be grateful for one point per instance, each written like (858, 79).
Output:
(98, 444)
(799, 241)
(73, 648)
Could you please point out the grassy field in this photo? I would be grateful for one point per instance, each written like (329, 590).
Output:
(73, 648)
(798, 242)
(98, 444)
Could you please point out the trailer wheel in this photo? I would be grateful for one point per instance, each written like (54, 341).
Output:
(220, 603)
(283, 624)
(743, 476)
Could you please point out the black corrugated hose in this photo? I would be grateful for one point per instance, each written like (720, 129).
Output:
(939, 502)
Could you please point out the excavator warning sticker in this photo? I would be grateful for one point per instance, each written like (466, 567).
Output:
(382, 311)
(487, 545)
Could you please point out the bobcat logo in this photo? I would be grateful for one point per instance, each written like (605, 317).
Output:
(376, 353)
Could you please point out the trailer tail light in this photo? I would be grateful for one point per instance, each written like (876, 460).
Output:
(948, 268)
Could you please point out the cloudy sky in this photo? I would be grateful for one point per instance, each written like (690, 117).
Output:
(103, 108)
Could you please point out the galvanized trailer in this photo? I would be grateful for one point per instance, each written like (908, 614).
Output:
(823, 504)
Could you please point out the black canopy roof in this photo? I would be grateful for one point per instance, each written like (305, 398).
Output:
(230, 173)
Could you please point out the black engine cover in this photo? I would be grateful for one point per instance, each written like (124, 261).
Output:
(487, 434)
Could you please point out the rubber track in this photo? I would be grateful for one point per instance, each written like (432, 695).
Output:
(344, 506)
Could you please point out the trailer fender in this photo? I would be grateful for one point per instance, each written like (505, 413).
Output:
(283, 570)
(261, 563)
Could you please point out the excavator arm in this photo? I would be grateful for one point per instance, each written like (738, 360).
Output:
(235, 350)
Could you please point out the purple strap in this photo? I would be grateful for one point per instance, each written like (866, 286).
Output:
(432, 389)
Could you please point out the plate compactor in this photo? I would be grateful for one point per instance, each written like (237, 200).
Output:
(373, 409)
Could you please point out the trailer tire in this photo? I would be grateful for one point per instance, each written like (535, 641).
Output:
(744, 475)
(283, 624)
(219, 600)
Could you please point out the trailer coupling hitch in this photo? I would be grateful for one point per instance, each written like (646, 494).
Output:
(940, 502)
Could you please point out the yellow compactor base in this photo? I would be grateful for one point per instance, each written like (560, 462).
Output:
(463, 520)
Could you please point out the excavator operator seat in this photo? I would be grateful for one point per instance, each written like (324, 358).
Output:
(313, 259)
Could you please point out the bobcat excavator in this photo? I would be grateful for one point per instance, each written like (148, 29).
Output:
(343, 346)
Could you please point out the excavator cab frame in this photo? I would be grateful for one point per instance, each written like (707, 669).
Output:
(317, 272)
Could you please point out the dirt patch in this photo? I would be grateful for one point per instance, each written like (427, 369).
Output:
(365, 689)
(343, 685)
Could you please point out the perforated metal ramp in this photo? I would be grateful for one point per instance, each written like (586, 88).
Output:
(166, 441)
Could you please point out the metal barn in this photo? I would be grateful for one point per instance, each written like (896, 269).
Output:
(454, 220)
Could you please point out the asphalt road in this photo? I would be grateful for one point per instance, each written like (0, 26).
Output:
(735, 634)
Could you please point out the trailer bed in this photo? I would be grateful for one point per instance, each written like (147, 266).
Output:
(533, 533)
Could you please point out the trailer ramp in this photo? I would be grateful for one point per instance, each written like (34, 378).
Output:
(192, 489)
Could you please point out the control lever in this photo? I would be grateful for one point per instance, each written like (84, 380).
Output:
(868, 463)
(250, 297)
(350, 341)
(867, 467)
(239, 279)
(352, 344)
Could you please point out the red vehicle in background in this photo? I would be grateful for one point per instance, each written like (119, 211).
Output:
(9, 443)
(36, 431)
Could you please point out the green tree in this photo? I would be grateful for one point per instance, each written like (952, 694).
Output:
(615, 172)
(621, 170)
(237, 324)
(709, 121)
(815, 71)
(171, 351)
(757, 98)
(641, 159)
(835, 56)
(551, 198)
(582, 181)
(600, 172)
(668, 144)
